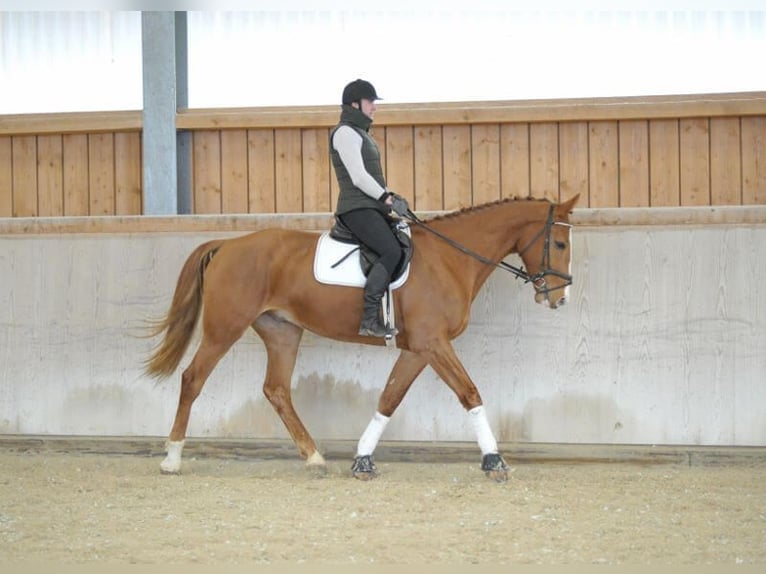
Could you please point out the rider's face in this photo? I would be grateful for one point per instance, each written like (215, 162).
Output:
(368, 107)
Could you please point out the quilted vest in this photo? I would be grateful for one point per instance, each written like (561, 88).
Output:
(350, 196)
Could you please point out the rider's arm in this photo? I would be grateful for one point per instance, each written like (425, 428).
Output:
(348, 143)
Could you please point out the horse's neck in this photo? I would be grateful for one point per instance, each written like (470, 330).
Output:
(493, 231)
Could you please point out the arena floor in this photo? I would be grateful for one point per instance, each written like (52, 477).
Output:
(81, 500)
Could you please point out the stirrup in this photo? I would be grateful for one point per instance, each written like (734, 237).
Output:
(377, 329)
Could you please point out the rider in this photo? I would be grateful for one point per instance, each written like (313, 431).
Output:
(364, 202)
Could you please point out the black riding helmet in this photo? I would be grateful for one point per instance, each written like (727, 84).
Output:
(358, 90)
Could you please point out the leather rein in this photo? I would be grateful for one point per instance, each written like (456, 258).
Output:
(538, 279)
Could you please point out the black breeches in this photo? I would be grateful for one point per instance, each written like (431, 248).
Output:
(372, 228)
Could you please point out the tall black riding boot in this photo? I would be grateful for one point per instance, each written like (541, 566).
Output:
(377, 282)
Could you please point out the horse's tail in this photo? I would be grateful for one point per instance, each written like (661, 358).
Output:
(181, 320)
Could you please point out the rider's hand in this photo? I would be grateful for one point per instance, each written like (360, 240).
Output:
(399, 205)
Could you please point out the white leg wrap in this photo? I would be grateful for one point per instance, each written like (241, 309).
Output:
(487, 442)
(371, 435)
(172, 462)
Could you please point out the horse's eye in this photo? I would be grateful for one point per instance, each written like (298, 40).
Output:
(560, 245)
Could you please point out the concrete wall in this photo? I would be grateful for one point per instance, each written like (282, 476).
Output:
(664, 341)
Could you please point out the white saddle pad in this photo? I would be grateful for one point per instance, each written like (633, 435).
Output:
(349, 271)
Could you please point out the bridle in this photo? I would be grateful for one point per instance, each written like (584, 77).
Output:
(538, 279)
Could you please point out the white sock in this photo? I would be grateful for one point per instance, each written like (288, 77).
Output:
(487, 442)
(371, 435)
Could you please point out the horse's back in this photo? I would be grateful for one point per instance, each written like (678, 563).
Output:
(273, 241)
(271, 251)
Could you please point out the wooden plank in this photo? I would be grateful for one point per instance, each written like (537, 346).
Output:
(101, 174)
(485, 163)
(604, 164)
(514, 160)
(634, 163)
(316, 171)
(379, 135)
(725, 162)
(623, 217)
(234, 180)
(664, 186)
(400, 170)
(24, 168)
(76, 174)
(71, 122)
(695, 161)
(456, 141)
(6, 177)
(754, 160)
(494, 112)
(50, 176)
(261, 186)
(288, 170)
(429, 178)
(127, 174)
(544, 160)
(206, 172)
(219, 223)
(335, 189)
(516, 111)
(573, 168)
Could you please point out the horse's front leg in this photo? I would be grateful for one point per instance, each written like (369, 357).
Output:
(442, 358)
(406, 369)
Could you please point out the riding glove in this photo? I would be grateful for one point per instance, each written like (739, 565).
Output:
(399, 205)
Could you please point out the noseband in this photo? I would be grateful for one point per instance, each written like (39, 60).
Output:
(538, 279)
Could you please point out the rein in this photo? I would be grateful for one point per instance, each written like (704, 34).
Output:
(538, 279)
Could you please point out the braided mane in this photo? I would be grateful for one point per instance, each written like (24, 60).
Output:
(483, 206)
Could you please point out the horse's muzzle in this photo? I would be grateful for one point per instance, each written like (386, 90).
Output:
(551, 302)
(554, 298)
(559, 303)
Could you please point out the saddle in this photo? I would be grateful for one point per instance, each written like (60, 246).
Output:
(367, 256)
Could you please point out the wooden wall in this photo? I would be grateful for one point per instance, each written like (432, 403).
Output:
(617, 152)
(70, 164)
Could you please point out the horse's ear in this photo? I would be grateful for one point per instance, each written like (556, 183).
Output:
(568, 205)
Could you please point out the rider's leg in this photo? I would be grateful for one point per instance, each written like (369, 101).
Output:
(373, 229)
(377, 282)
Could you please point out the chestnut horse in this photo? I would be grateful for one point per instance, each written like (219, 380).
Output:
(264, 280)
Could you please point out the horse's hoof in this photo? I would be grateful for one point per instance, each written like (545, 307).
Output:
(316, 465)
(169, 469)
(497, 475)
(364, 468)
(317, 471)
(494, 467)
(365, 476)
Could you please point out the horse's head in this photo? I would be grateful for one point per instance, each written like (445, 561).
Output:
(547, 251)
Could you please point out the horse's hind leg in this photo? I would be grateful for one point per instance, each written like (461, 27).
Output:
(192, 380)
(282, 339)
